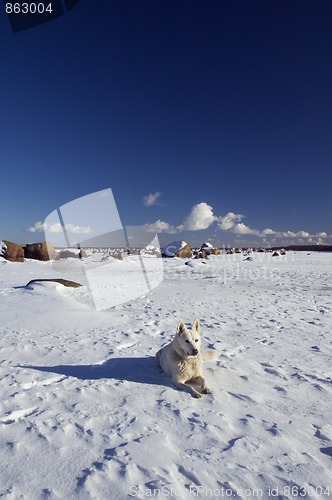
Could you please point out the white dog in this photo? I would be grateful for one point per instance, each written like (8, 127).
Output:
(182, 360)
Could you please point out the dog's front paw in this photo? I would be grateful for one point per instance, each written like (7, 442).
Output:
(197, 395)
(206, 390)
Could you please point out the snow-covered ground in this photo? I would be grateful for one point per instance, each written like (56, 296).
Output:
(86, 413)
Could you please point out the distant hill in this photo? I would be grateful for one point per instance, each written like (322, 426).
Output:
(306, 248)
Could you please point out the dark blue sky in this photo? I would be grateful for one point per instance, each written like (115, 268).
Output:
(220, 104)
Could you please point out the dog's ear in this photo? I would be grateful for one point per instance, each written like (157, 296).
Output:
(196, 325)
(181, 327)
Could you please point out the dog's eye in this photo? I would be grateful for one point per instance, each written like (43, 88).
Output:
(187, 341)
(196, 340)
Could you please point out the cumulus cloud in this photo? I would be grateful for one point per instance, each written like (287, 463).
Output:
(268, 232)
(151, 199)
(301, 236)
(160, 227)
(321, 237)
(304, 234)
(200, 217)
(287, 234)
(228, 221)
(241, 228)
(56, 228)
(72, 228)
(232, 222)
(37, 227)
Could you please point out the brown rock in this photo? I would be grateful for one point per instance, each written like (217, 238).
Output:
(63, 282)
(206, 245)
(210, 249)
(13, 252)
(185, 252)
(67, 254)
(207, 248)
(39, 251)
(202, 255)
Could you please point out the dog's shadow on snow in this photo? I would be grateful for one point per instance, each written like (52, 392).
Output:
(144, 370)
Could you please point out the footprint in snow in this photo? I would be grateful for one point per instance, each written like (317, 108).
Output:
(13, 416)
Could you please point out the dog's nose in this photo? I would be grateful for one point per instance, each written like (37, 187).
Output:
(195, 352)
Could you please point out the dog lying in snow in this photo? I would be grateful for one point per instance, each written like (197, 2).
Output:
(182, 359)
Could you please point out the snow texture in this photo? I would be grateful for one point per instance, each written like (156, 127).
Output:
(86, 413)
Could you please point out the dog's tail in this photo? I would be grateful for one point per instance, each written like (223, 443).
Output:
(209, 355)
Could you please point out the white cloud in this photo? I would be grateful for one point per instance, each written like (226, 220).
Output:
(243, 229)
(71, 228)
(300, 236)
(160, 227)
(304, 234)
(200, 217)
(287, 234)
(320, 239)
(151, 199)
(56, 228)
(267, 232)
(228, 221)
(38, 226)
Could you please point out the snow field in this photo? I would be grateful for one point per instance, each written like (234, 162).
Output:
(86, 413)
